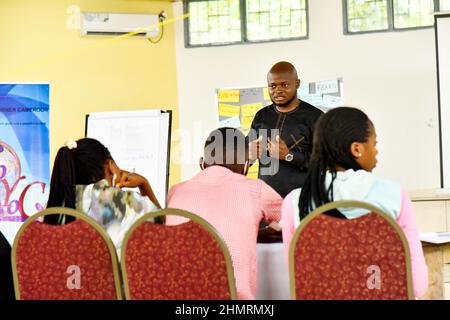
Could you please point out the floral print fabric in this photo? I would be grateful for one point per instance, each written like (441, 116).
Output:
(113, 208)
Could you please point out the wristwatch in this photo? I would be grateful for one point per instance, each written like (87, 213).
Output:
(289, 157)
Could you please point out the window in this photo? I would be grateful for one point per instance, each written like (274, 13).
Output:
(413, 13)
(280, 19)
(367, 15)
(385, 15)
(220, 22)
(217, 21)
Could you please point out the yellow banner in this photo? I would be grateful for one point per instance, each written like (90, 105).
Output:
(229, 96)
(226, 110)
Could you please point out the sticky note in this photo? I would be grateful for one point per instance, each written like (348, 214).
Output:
(323, 87)
(247, 122)
(230, 111)
(234, 122)
(254, 167)
(250, 110)
(229, 95)
(266, 94)
(253, 171)
(253, 175)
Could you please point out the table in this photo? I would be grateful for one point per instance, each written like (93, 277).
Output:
(432, 211)
(437, 258)
(273, 275)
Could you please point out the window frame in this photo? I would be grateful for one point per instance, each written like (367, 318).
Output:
(244, 40)
(391, 17)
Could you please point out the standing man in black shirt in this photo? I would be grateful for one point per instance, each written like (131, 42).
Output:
(282, 133)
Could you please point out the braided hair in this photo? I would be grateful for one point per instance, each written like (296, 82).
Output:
(334, 134)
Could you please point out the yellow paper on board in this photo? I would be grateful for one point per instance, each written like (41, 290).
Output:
(266, 94)
(229, 95)
(254, 167)
(246, 122)
(250, 110)
(253, 171)
(229, 111)
(253, 175)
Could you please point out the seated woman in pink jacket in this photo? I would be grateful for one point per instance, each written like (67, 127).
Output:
(343, 157)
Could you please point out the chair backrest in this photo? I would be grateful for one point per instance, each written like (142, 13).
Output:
(350, 259)
(189, 261)
(75, 261)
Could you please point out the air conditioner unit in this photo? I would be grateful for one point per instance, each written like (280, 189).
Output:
(116, 24)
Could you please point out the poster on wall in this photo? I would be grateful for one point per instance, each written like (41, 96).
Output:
(24, 153)
(237, 107)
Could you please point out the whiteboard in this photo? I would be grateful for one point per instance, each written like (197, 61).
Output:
(137, 140)
(443, 67)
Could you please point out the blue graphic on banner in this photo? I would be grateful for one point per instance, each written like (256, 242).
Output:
(24, 150)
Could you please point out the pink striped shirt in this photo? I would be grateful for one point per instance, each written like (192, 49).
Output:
(234, 205)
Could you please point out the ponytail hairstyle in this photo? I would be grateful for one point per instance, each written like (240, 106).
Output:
(82, 162)
(334, 134)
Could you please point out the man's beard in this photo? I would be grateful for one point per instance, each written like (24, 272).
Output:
(284, 105)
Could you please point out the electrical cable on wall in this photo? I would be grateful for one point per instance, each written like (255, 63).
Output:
(161, 17)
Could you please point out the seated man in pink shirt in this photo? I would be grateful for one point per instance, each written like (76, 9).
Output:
(234, 204)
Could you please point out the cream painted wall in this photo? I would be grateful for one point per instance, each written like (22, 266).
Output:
(87, 74)
(391, 76)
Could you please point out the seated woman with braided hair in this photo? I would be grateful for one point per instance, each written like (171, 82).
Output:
(85, 177)
(344, 155)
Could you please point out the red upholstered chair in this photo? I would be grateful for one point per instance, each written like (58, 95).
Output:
(361, 259)
(76, 261)
(189, 261)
